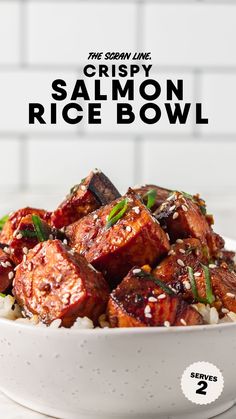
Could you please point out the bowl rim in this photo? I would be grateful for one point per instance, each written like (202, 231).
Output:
(118, 331)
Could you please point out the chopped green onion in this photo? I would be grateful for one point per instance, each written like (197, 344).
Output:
(74, 189)
(190, 249)
(203, 209)
(28, 233)
(191, 197)
(209, 294)
(187, 195)
(116, 213)
(3, 220)
(162, 285)
(2, 295)
(151, 198)
(39, 228)
(193, 283)
(210, 298)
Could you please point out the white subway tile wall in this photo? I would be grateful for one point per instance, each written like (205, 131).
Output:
(9, 30)
(41, 40)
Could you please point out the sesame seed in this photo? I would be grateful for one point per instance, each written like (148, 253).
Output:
(229, 294)
(179, 241)
(7, 250)
(152, 299)
(30, 266)
(83, 187)
(166, 323)
(212, 266)
(50, 237)
(19, 236)
(184, 208)
(66, 298)
(180, 262)
(175, 215)
(225, 310)
(147, 309)
(11, 275)
(182, 251)
(136, 271)
(171, 252)
(148, 315)
(4, 264)
(14, 233)
(129, 229)
(183, 322)
(24, 258)
(172, 208)
(161, 296)
(171, 197)
(25, 250)
(187, 285)
(136, 210)
(65, 241)
(197, 274)
(8, 263)
(167, 235)
(95, 216)
(173, 289)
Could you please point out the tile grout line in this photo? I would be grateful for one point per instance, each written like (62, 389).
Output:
(138, 140)
(191, 2)
(23, 34)
(23, 150)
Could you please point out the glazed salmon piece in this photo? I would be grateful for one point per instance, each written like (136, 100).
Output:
(14, 219)
(223, 283)
(25, 237)
(159, 194)
(136, 238)
(186, 252)
(90, 194)
(140, 302)
(183, 217)
(56, 283)
(6, 271)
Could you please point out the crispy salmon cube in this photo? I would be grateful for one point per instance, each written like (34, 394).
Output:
(56, 283)
(226, 259)
(25, 237)
(223, 284)
(138, 302)
(159, 195)
(182, 217)
(6, 271)
(90, 194)
(184, 253)
(136, 238)
(14, 219)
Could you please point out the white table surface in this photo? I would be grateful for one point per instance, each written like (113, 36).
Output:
(12, 410)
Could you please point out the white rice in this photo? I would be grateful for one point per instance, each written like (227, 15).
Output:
(211, 316)
(10, 310)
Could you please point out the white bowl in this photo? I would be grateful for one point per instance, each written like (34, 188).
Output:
(113, 373)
